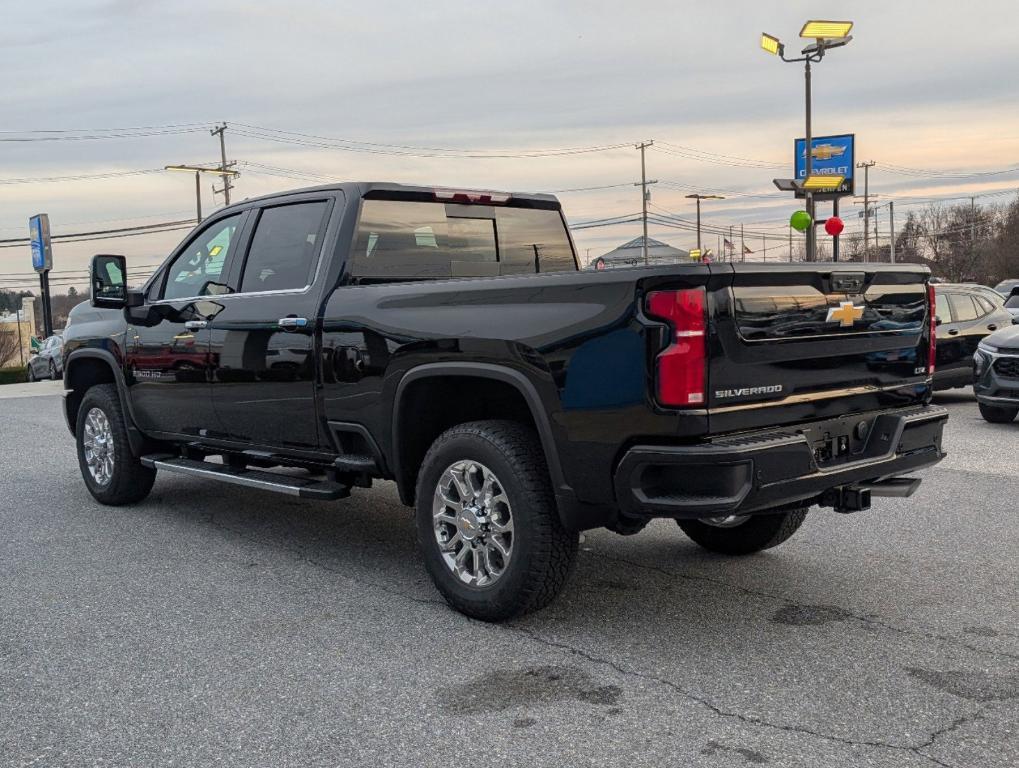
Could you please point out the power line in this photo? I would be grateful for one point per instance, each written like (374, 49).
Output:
(408, 150)
(80, 177)
(102, 234)
(114, 134)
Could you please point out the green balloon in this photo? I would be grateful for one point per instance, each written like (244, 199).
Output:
(800, 220)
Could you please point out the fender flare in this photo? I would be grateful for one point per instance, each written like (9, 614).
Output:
(507, 375)
(134, 436)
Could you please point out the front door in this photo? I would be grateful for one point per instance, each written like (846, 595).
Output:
(167, 345)
(263, 341)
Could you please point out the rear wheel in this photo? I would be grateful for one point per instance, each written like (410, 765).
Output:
(31, 373)
(487, 521)
(996, 414)
(53, 370)
(744, 534)
(112, 474)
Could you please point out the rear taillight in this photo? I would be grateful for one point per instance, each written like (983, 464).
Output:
(932, 304)
(681, 369)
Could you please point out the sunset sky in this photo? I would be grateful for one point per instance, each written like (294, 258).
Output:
(928, 88)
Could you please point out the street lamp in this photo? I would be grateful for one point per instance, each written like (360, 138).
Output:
(198, 170)
(826, 35)
(698, 198)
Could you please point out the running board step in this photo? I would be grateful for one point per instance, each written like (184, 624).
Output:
(304, 487)
(353, 463)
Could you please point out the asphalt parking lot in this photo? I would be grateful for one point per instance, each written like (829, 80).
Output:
(213, 625)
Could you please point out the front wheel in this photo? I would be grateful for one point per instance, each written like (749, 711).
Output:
(744, 534)
(998, 415)
(31, 374)
(112, 474)
(487, 521)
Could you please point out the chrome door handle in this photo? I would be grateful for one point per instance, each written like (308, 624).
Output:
(196, 325)
(292, 323)
(992, 327)
(953, 332)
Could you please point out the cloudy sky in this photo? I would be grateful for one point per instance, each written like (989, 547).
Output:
(925, 86)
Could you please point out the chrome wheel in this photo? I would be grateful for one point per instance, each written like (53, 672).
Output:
(725, 521)
(473, 523)
(97, 442)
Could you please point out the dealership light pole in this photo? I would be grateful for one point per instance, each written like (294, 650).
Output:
(198, 170)
(698, 198)
(826, 35)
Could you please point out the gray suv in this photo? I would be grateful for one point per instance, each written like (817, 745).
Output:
(996, 375)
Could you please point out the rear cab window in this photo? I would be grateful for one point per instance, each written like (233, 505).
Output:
(413, 240)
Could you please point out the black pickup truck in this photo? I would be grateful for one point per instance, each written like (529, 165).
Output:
(313, 341)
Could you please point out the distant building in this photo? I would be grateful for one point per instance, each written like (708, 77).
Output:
(631, 254)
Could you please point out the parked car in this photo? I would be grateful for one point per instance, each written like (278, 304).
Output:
(964, 316)
(1005, 287)
(996, 376)
(446, 340)
(1012, 304)
(48, 362)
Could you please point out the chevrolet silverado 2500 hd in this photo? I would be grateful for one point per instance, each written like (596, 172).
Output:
(312, 341)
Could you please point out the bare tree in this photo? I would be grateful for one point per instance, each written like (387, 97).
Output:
(10, 345)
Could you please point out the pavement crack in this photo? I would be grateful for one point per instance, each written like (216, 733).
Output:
(863, 619)
(748, 719)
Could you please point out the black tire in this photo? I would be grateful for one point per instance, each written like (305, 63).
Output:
(755, 533)
(31, 374)
(53, 371)
(130, 481)
(998, 415)
(542, 553)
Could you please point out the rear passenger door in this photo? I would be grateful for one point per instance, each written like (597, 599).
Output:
(964, 332)
(263, 340)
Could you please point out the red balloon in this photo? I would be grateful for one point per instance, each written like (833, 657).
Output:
(833, 225)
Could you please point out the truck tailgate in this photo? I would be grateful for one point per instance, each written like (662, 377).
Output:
(799, 342)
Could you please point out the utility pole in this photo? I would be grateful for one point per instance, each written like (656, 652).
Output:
(866, 205)
(790, 242)
(742, 245)
(891, 226)
(644, 191)
(223, 166)
(972, 227)
(877, 236)
(198, 196)
(764, 240)
(732, 246)
(198, 170)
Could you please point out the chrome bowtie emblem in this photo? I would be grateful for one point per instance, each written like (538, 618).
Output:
(845, 314)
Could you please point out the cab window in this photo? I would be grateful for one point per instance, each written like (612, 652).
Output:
(963, 307)
(941, 307)
(198, 270)
(284, 249)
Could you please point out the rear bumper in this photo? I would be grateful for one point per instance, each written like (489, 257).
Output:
(771, 468)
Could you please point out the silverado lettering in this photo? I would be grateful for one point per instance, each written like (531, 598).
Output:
(747, 391)
(314, 341)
